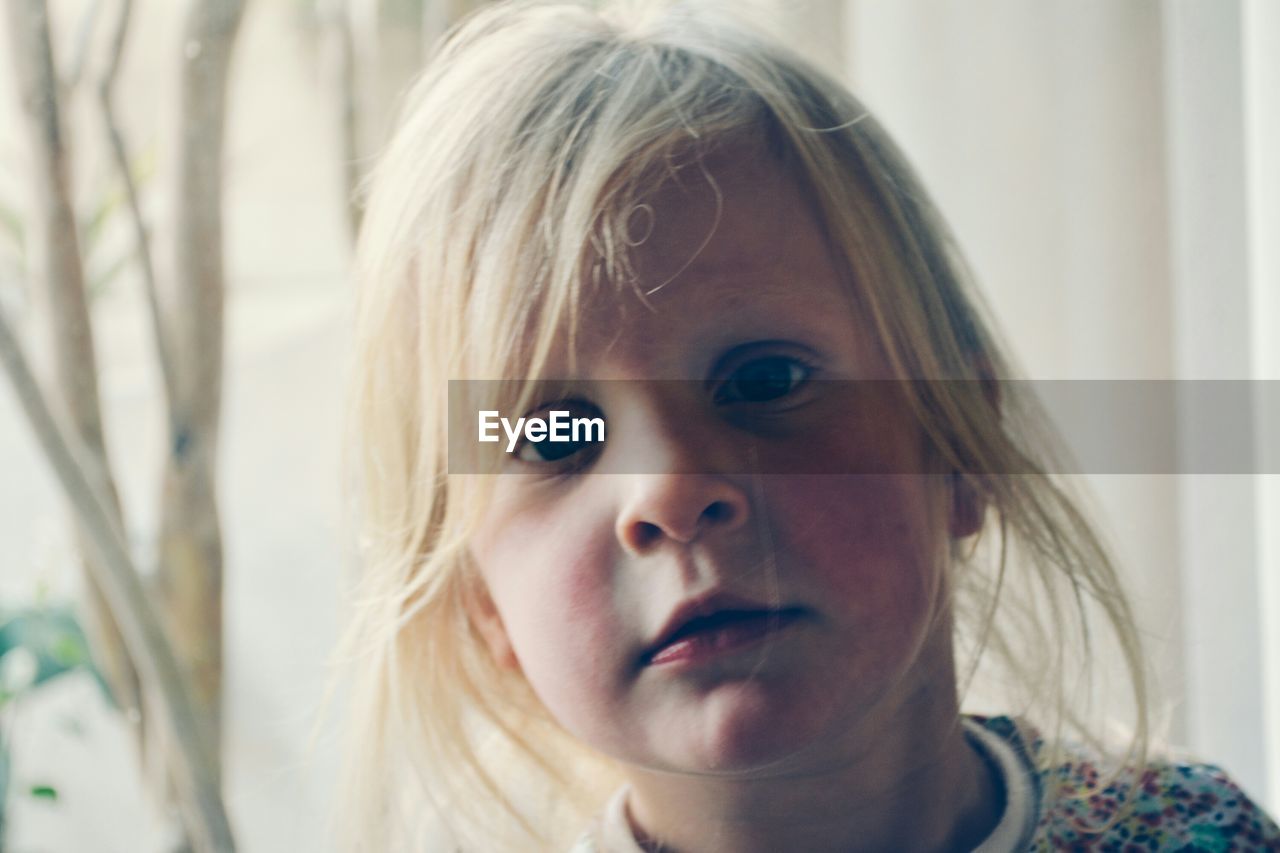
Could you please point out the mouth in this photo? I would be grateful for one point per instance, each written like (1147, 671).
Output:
(702, 632)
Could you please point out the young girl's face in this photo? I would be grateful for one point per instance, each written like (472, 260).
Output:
(670, 607)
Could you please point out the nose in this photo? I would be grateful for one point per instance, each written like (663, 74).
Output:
(679, 465)
(679, 508)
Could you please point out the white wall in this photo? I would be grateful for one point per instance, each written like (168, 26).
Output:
(1219, 515)
(1261, 26)
(1092, 158)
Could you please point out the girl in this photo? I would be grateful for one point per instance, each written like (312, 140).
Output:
(752, 606)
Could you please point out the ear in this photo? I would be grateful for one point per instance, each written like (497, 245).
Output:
(968, 507)
(484, 615)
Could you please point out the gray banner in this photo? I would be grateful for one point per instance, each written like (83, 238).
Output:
(850, 427)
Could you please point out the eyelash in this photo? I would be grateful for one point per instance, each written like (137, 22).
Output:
(800, 373)
(570, 461)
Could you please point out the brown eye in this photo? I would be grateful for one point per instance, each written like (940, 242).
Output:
(574, 429)
(763, 380)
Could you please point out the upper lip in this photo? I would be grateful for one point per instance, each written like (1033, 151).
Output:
(700, 608)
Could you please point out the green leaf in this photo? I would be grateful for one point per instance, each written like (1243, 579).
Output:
(53, 636)
(68, 650)
(44, 792)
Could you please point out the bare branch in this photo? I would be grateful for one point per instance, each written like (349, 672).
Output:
(84, 42)
(77, 450)
(342, 59)
(197, 307)
(188, 580)
(83, 481)
(67, 334)
(120, 155)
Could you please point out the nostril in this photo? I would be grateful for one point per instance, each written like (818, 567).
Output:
(645, 534)
(680, 510)
(718, 512)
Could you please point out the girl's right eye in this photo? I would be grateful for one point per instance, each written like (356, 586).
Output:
(578, 437)
(771, 379)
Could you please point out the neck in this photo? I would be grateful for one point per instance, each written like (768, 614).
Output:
(906, 780)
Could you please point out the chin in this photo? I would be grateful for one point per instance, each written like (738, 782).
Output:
(745, 727)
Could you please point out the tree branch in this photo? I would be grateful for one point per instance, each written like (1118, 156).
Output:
(188, 580)
(82, 480)
(342, 61)
(77, 450)
(84, 41)
(67, 334)
(120, 155)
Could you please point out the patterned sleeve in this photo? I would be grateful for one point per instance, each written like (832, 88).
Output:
(1179, 807)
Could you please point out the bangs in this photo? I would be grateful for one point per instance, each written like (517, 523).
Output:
(559, 201)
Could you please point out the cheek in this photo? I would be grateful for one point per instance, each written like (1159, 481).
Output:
(868, 544)
(550, 580)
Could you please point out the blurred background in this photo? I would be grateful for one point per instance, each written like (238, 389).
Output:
(1111, 169)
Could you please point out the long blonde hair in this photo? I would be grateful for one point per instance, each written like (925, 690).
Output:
(522, 150)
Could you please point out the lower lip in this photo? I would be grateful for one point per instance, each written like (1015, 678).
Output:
(709, 645)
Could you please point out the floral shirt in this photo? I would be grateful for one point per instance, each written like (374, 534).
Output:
(1188, 808)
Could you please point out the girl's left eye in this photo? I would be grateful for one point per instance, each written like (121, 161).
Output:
(572, 434)
(763, 380)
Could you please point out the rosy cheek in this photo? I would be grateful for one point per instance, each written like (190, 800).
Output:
(542, 568)
(865, 541)
(551, 578)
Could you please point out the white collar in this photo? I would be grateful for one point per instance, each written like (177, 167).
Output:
(1018, 821)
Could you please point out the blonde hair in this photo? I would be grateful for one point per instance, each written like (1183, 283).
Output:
(522, 150)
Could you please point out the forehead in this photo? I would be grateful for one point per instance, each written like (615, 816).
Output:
(739, 213)
(733, 235)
